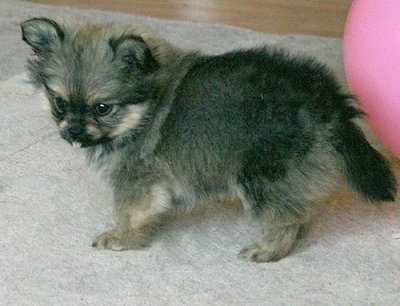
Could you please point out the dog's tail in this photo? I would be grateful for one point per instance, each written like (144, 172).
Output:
(365, 169)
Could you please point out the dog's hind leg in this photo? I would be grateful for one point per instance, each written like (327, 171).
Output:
(283, 206)
(280, 229)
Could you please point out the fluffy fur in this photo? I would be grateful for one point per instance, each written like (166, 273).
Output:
(172, 129)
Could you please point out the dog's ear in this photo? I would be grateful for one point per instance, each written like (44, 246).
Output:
(134, 53)
(42, 34)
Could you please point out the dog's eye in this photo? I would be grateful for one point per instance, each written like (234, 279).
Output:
(102, 109)
(61, 105)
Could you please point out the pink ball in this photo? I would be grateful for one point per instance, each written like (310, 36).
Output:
(372, 64)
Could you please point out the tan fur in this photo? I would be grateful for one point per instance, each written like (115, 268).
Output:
(156, 203)
(136, 222)
(135, 114)
(59, 89)
(94, 130)
(62, 125)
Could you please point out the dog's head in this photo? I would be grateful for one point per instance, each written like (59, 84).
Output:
(98, 79)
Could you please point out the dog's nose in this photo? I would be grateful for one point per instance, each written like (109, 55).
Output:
(75, 132)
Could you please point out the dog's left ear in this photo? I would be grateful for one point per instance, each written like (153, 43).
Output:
(133, 52)
(42, 34)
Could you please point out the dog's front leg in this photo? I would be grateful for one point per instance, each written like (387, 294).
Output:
(137, 219)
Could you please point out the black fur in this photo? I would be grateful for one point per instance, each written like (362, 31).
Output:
(265, 110)
(133, 51)
(365, 169)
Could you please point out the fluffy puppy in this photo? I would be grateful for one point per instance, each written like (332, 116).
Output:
(172, 129)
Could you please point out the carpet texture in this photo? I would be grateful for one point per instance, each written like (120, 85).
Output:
(52, 207)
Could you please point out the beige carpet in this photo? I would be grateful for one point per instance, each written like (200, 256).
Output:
(51, 208)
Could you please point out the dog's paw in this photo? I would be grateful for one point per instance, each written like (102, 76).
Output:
(113, 240)
(109, 240)
(262, 253)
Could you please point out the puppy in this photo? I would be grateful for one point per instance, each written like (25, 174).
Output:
(172, 129)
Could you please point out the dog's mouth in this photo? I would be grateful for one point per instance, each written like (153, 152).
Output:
(79, 138)
(76, 144)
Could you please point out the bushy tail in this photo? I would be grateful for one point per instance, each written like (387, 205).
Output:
(365, 169)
